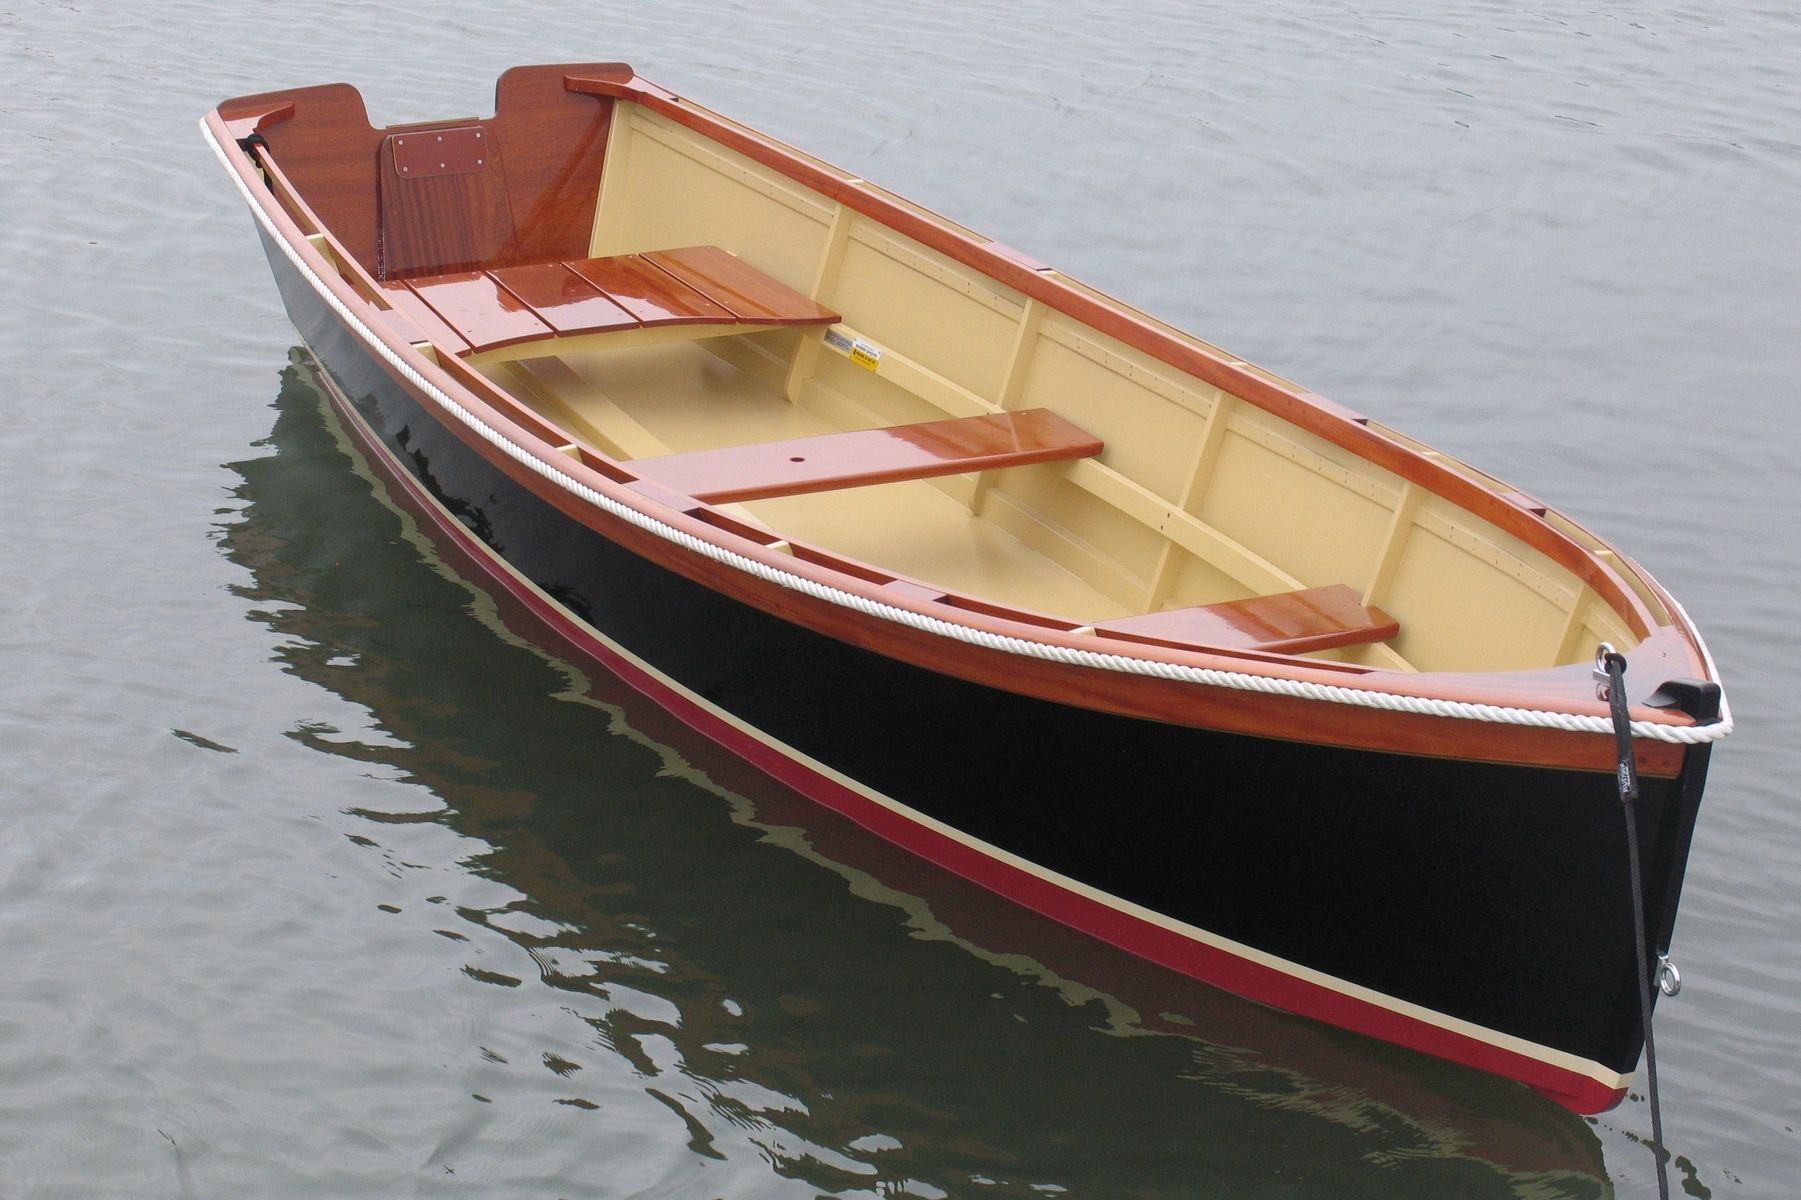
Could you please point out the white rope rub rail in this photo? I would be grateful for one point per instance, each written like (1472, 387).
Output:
(1208, 676)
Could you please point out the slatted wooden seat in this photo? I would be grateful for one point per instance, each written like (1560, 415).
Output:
(703, 288)
(1320, 618)
(451, 259)
(868, 456)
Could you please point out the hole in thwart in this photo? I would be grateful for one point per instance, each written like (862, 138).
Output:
(798, 458)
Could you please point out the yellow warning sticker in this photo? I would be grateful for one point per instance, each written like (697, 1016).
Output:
(867, 355)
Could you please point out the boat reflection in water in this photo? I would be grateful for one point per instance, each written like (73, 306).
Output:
(671, 925)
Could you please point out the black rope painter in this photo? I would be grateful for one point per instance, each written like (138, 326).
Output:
(1627, 776)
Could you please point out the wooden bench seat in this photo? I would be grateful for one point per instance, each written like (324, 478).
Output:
(1320, 618)
(868, 456)
(701, 287)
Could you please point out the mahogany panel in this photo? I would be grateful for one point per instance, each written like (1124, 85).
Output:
(555, 142)
(327, 149)
(485, 314)
(747, 292)
(649, 293)
(452, 150)
(442, 215)
(252, 114)
(1318, 618)
(563, 300)
(394, 305)
(869, 456)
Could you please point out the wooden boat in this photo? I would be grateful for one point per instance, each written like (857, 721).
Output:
(1054, 595)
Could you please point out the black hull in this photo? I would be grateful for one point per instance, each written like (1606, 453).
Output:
(1494, 895)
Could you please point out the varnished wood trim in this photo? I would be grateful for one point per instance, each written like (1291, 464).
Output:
(648, 292)
(253, 114)
(408, 302)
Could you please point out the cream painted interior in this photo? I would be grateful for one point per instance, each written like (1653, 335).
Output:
(1198, 497)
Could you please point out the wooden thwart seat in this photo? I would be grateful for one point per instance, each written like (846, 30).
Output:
(1318, 618)
(699, 286)
(868, 456)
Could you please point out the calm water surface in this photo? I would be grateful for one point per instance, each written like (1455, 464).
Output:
(321, 876)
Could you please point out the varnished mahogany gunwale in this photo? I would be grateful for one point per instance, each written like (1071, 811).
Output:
(1558, 690)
